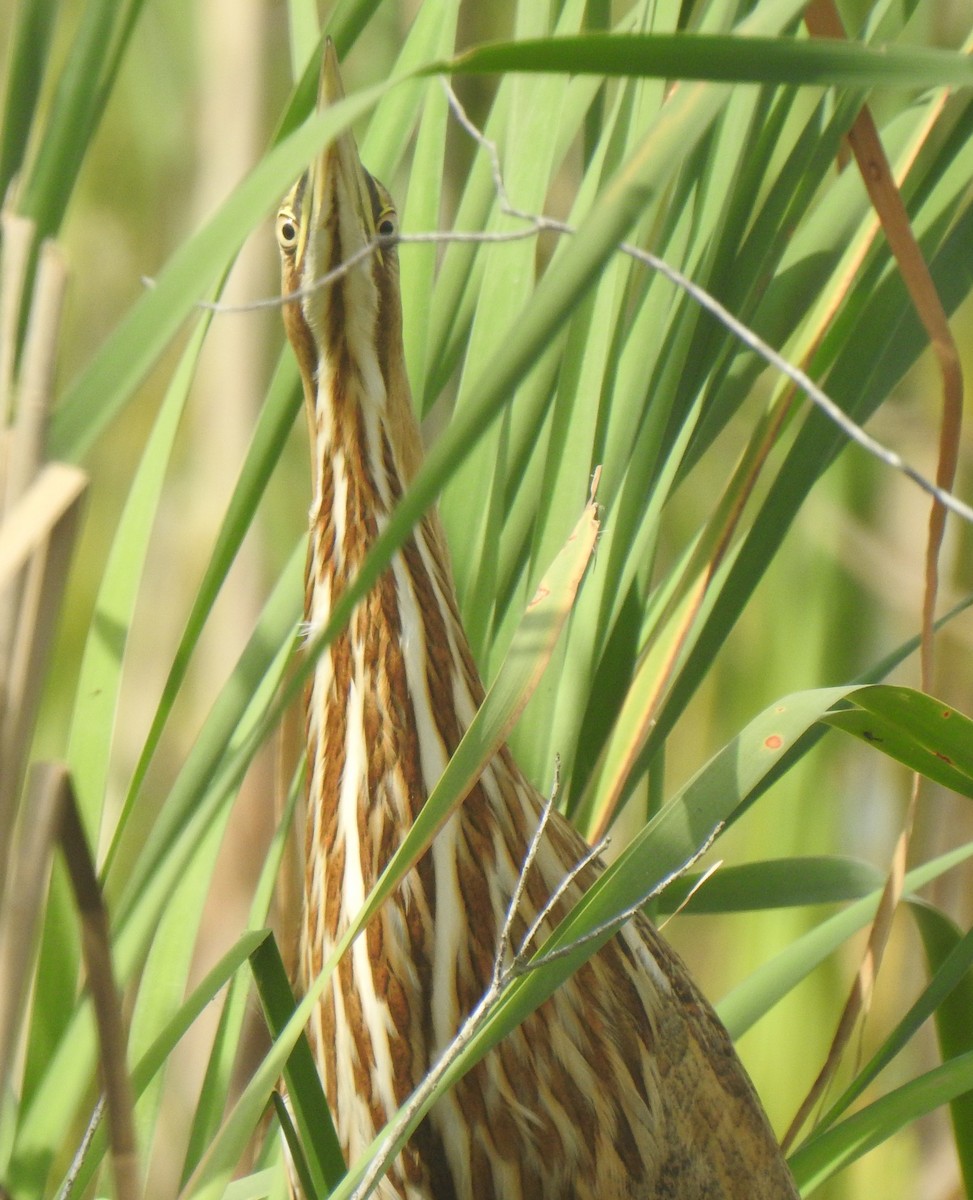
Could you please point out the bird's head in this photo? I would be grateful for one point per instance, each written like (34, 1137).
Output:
(347, 332)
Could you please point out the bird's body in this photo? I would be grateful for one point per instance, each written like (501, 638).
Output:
(624, 1083)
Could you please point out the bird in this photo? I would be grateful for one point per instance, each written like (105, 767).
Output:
(623, 1083)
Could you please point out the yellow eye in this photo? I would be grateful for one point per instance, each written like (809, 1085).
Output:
(286, 230)
(388, 223)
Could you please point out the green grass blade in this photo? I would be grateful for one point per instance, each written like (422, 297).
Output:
(219, 1069)
(952, 972)
(818, 62)
(324, 1157)
(748, 1002)
(155, 1057)
(99, 682)
(273, 427)
(946, 949)
(826, 1154)
(27, 51)
(81, 93)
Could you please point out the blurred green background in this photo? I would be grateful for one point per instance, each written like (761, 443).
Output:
(195, 106)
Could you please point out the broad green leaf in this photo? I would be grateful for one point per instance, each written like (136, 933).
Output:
(772, 883)
(29, 43)
(924, 733)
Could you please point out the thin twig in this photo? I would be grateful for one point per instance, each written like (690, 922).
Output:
(397, 1130)
(614, 924)
(557, 895)
(704, 878)
(505, 941)
(72, 1173)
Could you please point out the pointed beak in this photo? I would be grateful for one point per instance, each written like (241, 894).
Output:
(338, 185)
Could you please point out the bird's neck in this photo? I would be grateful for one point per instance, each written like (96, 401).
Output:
(390, 698)
(394, 692)
(366, 449)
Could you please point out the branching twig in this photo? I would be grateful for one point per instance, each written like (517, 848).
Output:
(614, 924)
(559, 892)
(505, 941)
(537, 223)
(852, 430)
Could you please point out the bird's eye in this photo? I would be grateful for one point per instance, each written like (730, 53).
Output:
(286, 230)
(387, 224)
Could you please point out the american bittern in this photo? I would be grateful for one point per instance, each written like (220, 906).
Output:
(624, 1083)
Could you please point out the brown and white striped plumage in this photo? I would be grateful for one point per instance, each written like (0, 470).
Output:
(624, 1083)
